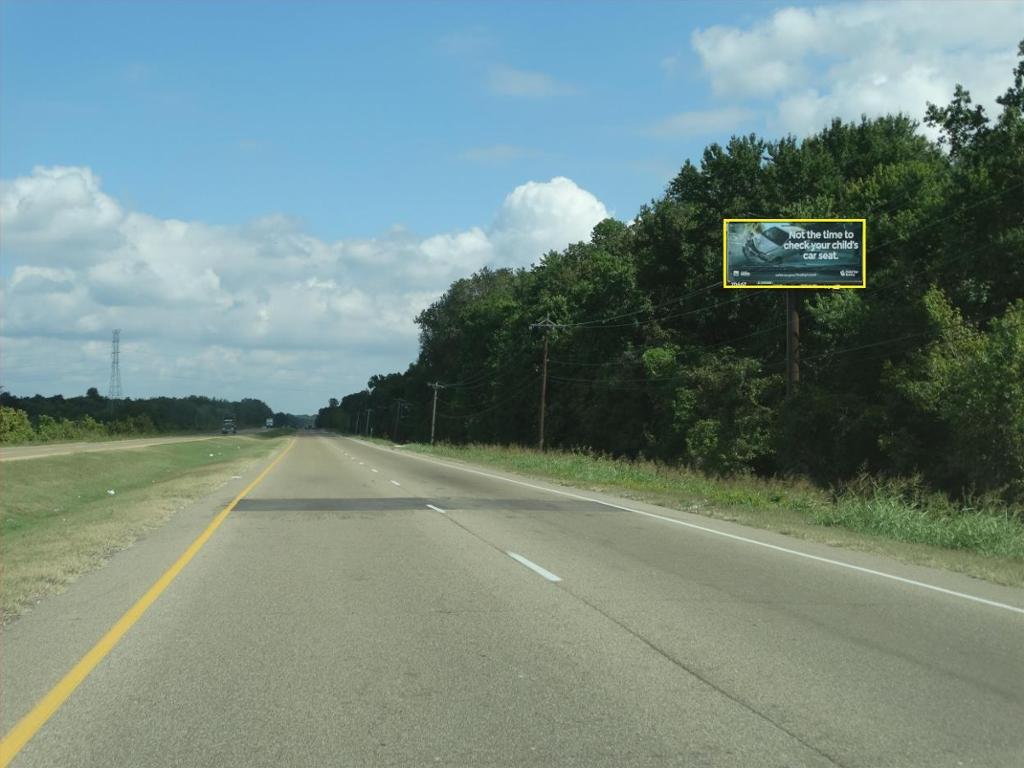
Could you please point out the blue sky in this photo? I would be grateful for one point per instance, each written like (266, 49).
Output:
(262, 196)
(348, 115)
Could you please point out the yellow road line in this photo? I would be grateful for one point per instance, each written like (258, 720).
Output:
(30, 724)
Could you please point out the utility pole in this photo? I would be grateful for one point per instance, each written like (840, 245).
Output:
(433, 413)
(400, 405)
(114, 390)
(356, 430)
(792, 341)
(369, 416)
(546, 325)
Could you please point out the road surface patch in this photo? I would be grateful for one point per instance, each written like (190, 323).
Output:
(345, 504)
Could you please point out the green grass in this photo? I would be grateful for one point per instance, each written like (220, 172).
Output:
(896, 519)
(994, 532)
(57, 519)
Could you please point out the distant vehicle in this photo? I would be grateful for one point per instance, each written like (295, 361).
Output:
(268, 424)
(228, 427)
(768, 247)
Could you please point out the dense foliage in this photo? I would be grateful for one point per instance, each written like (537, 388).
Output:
(921, 374)
(92, 416)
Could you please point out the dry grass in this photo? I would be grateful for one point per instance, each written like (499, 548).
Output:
(57, 520)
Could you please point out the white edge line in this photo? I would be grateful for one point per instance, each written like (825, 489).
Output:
(733, 536)
(533, 566)
(436, 509)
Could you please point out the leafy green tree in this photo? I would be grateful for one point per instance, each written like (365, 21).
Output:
(649, 357)
(724, 409)
(15, 426)
(971, 382)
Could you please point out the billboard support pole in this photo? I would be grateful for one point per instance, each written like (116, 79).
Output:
(792, 341)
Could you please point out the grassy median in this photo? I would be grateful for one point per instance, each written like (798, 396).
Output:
(59, 519)
(895, 518)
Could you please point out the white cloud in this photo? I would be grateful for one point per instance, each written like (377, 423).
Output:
(289, 307)
(670, 65)
(466, 43)
(525, 228)
(497, 153)
(461, 253)
(28, 279)
(507, 81)
(701, 122)
(59, 207)
(806, 65)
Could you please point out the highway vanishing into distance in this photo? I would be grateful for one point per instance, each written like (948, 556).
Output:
(363, 606)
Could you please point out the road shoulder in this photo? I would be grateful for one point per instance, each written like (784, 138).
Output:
(43, 644)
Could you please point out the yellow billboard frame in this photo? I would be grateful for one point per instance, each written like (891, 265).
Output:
(863, 254)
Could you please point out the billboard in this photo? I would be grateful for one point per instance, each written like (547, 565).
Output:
(794, 253)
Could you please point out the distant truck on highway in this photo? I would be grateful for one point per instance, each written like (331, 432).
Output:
(227, 427)
(268, 424)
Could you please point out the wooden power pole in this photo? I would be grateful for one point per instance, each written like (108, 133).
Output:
(546, 325)
(433, 412)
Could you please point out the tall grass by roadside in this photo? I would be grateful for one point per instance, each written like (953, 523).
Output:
(597, 471)
(903, 511)
(897, 517)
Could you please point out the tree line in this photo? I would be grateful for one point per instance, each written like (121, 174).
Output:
(24, 419)
(920, 374)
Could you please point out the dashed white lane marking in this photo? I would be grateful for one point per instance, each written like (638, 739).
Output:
(436, 509)
(724, 534)
(360, 463)
(395, 482)
(373, 470)
(534, 567)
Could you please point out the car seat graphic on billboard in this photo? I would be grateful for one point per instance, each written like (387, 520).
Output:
(794, 253)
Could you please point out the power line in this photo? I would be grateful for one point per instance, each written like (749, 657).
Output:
(516, 392)
(677, 300)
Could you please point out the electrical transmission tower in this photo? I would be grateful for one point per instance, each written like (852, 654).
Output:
(114, 390)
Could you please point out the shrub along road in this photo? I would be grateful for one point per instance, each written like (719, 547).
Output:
(362, 606)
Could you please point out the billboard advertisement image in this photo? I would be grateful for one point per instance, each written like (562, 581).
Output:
(794, 253)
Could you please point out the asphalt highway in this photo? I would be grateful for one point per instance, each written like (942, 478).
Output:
(366, 607)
